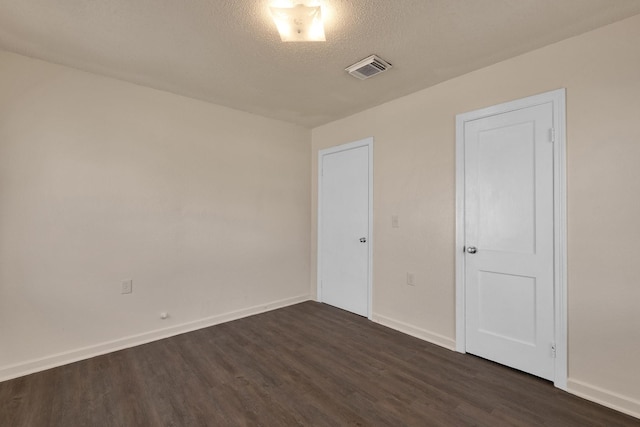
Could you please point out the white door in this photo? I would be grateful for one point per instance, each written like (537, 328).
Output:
(343, 222)
(509, 238)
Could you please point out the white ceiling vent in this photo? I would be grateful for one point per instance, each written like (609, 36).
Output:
(368, 67)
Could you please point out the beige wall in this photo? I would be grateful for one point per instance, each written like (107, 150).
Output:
(414, 174)
(204, 207)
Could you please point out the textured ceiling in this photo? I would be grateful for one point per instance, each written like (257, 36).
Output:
(228, 51)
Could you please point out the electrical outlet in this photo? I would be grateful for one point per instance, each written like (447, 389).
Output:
(411, 279)
(127, 286)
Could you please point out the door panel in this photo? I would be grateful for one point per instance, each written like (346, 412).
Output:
(507, 206)
(509, 219)
(344, 207)
(516, 321)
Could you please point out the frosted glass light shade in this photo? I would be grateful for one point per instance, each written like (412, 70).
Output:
(299, 23)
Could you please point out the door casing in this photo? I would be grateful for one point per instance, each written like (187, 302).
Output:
(557, 98)
(368, 142)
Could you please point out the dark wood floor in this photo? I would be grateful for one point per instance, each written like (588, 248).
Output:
(309, 364)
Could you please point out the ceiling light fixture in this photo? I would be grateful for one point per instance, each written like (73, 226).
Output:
(299, 23)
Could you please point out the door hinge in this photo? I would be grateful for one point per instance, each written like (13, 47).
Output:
(553, 350)
(552, 135)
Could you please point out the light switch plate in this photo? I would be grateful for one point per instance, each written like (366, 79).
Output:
(411, 279)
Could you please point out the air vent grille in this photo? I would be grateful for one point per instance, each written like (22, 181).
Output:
(368, 67)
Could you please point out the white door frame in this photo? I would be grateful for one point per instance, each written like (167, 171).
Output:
(368, 142)
(557, 98)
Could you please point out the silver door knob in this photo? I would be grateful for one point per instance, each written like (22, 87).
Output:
(363, 240)
(472, 249)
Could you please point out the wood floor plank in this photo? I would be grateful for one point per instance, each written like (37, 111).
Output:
(305, 365)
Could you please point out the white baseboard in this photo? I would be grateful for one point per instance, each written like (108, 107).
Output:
(604, 397)
(59, 359)
(414, 331)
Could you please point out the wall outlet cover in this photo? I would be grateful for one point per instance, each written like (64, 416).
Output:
(127, 286)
